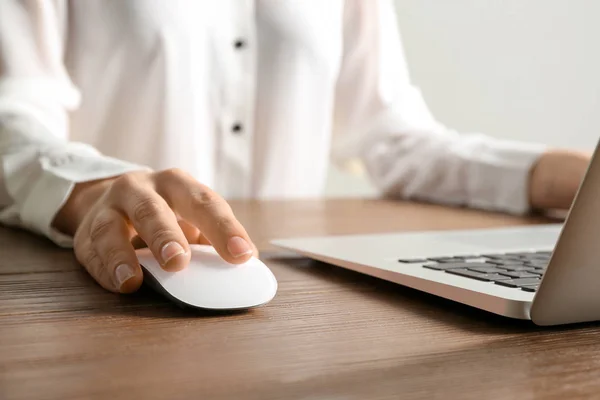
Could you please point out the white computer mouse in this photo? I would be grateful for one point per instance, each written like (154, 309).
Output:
(209, 282)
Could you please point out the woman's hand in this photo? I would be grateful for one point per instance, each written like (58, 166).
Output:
(166, 210)
(556, 177)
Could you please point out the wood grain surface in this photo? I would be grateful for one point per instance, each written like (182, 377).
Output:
(328, 334)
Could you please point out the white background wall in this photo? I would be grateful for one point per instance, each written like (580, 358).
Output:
(518, 69)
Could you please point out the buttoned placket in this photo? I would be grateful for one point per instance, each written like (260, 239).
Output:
(237, 107)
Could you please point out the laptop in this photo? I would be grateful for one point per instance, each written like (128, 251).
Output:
(549, 274)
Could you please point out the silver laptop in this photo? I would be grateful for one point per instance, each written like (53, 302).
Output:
(549, 274)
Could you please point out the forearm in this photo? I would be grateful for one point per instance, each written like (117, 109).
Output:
(442, 166)
(475, 170)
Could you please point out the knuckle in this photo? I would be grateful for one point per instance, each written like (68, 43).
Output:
(172, 173)
(205, 198)
(224, 223)
(162, 236)
(113, 256)
(101, 226)
(125, 182)
(145, 209)
(89, 259)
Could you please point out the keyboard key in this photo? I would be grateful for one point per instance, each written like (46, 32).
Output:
(503, 257)
(528, 288)
(469, 256)
(509, 263)
(412, 260)
(536, 265)
(508, 256)
(542, 264)
(536, 255)
(534, 270)
(453, 260)
(539, 274)
(447, 266)
(515, 267)
(519, 274)
(492, 269)
(521, 254)
(520, 282)
(512, 260)
(537, 259)
(476, 275)
(497, 262)
(498, 277)
(438, 259)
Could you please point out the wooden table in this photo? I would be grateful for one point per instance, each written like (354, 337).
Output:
(329, 333)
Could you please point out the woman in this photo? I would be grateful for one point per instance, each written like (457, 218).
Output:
(118, 116)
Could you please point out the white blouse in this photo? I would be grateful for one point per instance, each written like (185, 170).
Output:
(253, 97)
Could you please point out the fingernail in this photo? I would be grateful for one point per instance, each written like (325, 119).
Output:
(238, 247)
(170, 251)
(123, 273)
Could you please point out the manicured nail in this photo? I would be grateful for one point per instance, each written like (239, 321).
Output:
(238, 247)
(123, 273)
(170, 251)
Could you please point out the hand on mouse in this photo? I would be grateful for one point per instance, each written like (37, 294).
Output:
(167, 210)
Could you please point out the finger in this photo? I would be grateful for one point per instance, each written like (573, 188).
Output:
(192, 234)
(85, 254)
(153, 220)
(203, 240)
(206, 210)
(110, 237)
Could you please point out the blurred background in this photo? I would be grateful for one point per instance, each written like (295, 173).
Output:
(526, 70)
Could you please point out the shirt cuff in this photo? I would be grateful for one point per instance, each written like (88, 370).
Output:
(500, 175)
(55, 184)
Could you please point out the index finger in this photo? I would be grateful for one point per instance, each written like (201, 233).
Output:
(205, 209)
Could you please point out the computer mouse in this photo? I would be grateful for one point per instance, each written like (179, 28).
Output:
(211, 283)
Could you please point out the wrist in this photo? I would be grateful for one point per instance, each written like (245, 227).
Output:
(82, 197)
(539, 183)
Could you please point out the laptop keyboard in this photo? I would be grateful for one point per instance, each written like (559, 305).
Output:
(521, 270)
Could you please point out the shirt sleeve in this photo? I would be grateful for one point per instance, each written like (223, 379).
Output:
(38, 164)
(382, 119)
